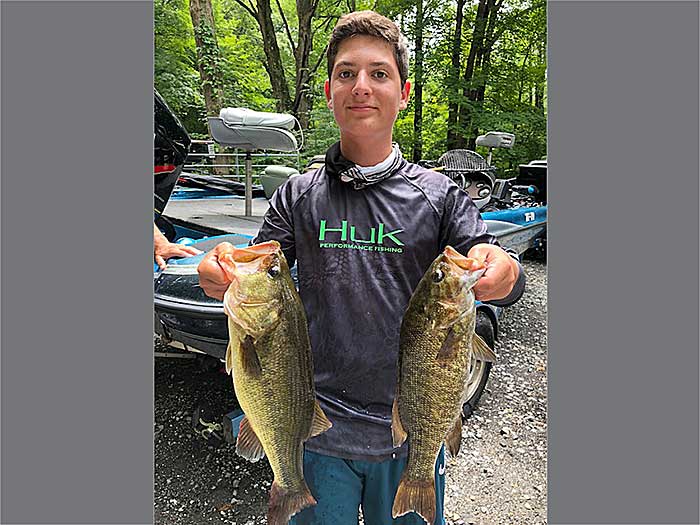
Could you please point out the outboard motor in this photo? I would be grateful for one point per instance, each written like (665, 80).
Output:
(171, 145)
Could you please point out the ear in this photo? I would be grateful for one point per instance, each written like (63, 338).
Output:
(405, 92)
(327, 91)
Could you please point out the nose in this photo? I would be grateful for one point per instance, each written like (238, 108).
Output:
(362, 85)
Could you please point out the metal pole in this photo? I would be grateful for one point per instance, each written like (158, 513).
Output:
(248, 184)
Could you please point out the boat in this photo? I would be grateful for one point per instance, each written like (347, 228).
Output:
(203, 215)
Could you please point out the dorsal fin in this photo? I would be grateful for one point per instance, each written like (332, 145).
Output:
(398, 433)
(454, 437)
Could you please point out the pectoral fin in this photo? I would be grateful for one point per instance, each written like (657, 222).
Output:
(320, 422)
(398, 433)
(449, 348)
(249, 357)
(481, 350)
(454, 437)
(248, 444)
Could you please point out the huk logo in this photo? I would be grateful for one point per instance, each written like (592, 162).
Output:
(347, 236)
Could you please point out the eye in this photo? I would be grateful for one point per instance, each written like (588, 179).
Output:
(344, 74)
(381, 74)
(438, 275)
(273, 271)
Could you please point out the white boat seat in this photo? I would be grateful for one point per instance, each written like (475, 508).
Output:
(248, 117)
(250, 138)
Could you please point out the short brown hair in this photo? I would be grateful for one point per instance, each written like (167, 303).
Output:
(371, 24)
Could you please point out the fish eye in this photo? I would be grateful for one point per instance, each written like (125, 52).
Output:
(273, 271)
(438, 275)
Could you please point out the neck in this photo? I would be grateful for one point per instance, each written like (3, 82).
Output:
(365, 151)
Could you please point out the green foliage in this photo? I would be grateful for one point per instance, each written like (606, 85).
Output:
(514, 100)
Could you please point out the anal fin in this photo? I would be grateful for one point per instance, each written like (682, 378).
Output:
(320, 422)
(248, 444)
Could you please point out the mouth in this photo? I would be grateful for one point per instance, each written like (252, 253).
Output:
(362, 109)
(465, 263)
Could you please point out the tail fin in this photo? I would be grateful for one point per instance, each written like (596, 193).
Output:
(415, 495)
(283, 504)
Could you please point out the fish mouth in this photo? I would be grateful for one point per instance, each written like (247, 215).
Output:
(248, 260)
(465, 263)
(256, 251)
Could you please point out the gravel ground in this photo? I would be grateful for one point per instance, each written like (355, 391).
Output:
(499, 476)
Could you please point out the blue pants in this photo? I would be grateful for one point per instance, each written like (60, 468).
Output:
(342, 486)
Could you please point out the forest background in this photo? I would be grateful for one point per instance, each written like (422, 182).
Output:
(476, 66)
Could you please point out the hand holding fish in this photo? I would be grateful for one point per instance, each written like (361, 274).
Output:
(501, 272)
(212, 277)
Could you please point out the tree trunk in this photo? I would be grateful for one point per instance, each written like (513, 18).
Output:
(275, 69)
(453, 80)
(208, 61)
(477, 71)
(468, 93)
(418, 88)
(302, 97)
(208, 57)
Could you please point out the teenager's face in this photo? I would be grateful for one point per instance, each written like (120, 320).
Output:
(365, 90)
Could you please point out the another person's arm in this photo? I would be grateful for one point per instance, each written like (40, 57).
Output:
(163, 249)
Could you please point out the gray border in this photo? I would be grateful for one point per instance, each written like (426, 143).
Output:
(77, 333)
(76, 434)
(623, 262)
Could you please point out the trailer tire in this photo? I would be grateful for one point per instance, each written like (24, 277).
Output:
(479, 370)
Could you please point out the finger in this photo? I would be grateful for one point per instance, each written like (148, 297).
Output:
(482, 253)
(222, 247)
(160, 262)
(184, 251)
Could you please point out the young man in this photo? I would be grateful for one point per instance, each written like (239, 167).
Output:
(363, 229)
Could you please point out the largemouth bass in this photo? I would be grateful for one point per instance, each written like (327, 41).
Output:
(270, 356)
(436, 344)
